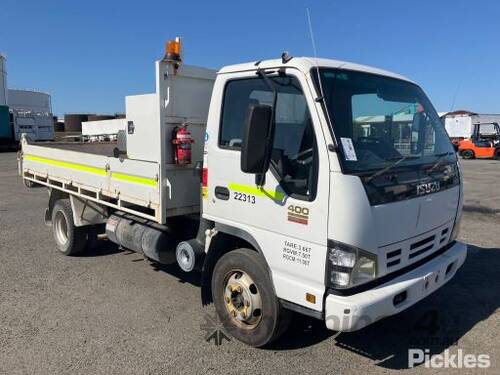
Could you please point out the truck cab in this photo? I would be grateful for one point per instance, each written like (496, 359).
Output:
(357, 206)
(298, 184)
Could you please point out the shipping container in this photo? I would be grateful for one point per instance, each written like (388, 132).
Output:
(5, 127)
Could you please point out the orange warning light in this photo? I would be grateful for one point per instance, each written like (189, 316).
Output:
(173, 49)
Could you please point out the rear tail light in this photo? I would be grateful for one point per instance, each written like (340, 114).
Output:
(204, 183)
(204, 177)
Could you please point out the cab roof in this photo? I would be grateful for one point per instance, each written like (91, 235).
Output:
(305, 64)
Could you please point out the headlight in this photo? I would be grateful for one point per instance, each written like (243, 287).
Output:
(347, 266)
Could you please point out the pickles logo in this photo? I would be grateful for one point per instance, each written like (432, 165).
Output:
(447, 359)
(299, 215)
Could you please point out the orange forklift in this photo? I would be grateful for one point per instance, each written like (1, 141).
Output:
(482, 145)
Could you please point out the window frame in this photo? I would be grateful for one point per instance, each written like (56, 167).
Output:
(221, 117)
(315, 163)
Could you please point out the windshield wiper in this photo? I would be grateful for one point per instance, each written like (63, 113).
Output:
(396, 163)
(438, 162)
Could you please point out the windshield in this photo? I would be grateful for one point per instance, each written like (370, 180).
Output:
(382, 123)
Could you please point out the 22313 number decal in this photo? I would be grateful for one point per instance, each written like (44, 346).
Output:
(244, 197)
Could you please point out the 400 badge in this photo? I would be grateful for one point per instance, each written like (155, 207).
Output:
(299, 215)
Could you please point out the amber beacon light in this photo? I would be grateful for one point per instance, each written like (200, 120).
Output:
(173, 49)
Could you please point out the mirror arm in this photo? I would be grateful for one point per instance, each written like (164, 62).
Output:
(271, 86)
(260, 178)
(262, 74)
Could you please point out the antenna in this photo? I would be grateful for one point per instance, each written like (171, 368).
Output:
(320, 85)
(454, 98)
(311, 34)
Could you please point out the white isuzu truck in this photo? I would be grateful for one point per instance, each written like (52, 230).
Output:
(298, 184)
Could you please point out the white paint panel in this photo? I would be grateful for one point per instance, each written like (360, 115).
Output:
(94, 182)
(144, 143)
(103, 127)
(397, 221)
(351, 217)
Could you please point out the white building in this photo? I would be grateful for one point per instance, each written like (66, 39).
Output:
(29, 100)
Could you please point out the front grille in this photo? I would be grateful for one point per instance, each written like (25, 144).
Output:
(421, 251)
(421, 247)
(393, 258)
(404, 253)
(422, 242)
(443, 235)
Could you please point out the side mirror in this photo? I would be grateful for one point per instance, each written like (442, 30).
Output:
(257, 140)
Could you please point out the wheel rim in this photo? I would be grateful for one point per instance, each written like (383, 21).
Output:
(61, 228)
(242, 299)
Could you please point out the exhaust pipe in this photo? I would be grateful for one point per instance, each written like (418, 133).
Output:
(191, 254)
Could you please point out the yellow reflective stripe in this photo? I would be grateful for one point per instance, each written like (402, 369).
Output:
(97, 171)
(134, 179)
(64, 164)
(253, 190)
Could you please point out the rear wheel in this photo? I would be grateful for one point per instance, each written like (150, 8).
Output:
(244, 299)
(467, 154)
(29, 184)
(70, 240)
(497, 154)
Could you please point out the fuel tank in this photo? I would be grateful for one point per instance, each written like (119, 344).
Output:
(155, 241)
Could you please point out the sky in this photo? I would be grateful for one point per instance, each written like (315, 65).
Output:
(90, 54)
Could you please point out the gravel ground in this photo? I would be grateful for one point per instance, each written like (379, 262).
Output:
(110, 312)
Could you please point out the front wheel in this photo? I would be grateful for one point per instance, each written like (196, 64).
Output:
(497, 154)
(244, 298)
(467, 154)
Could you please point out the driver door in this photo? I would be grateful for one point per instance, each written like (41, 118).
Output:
(288, 217)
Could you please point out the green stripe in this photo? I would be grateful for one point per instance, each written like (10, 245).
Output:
(92, 170)
(134, 179)
(253, 190)
(64, 164)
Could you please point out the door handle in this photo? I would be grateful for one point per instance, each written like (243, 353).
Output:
(222, 192)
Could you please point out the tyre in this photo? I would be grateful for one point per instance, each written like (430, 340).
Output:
(70, 240)
(467, 154)
(244, 299)
(92, 237)
(497, 154)
(29, 184)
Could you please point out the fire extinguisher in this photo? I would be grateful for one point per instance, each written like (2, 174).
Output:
(181, 139)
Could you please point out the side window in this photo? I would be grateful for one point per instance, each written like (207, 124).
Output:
(294, 152)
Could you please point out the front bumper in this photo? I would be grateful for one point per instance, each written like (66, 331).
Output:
(350, 313)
